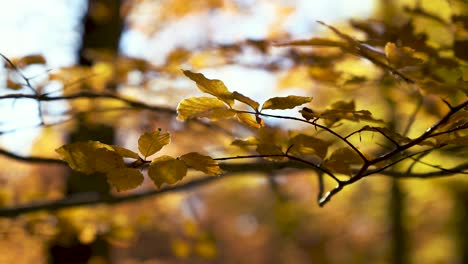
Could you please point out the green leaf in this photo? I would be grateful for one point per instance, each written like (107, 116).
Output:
(288, 102)
(202, 163)
(196, 107)
(306, 145)
(80, 156)
(124, 178)
(166, 169)
(125, 152)
(246, 100)
(213, 87)
(152, 142)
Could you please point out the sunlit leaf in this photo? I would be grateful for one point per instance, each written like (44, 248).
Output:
(246, 100)
(202, 163)
(347, 155)
(288, 102)
(270, 149)
(180, 248)
(13, 85)
(308, 113)
(249, 120)
(306, 145)
(196, 107)
(213, 87)
(29, 60)
(166, 169)
(314, 42)
(340, 160)
(206, 248)
(400, 56)
(80, 156)
(124, 178)
(339, 166)
(126, 153)
(106, 160)
(152, 142)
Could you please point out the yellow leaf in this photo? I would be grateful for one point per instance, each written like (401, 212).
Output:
(166, 169)
(180, 248)
(202, 163)
(124, 178)
(249, 120)
(29, 60)
(13, 85)
(80, 155)
(246, 100)
(400, 57)
(206, 248)
(106, 160)
(305, 145)
(346, 155)
(196, 107)
(269, 149)
(339, 166)
(152, 142)
(285, 102)
(125, 152)
(321, 42)
(213, 87)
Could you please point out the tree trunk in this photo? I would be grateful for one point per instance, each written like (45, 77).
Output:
(102, 28)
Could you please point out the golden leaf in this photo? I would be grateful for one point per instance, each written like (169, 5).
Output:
(106, 160)
(29, 60)
(306, 145)
(213, 87)
(288, 102)
(400, 56)
(196, 107)
(202, 163)
(152, 142)
(249, 120)
(270, 149)
(246, 100)
(347, 155)
(125, 152)
(124, 178)
(80, 155)
(166, 169)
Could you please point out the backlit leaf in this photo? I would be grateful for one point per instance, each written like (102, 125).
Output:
(106, 160)
(249, 120)
(400, 56)
(125, 152)
(306, 145)
(285, 102)
(246, 100)
(29, 60)
(152, 142)
(124, 178)
(270, 149)
(202, 163)
(213, 87)
(196, 107)
(166, 169)
(80, 155)
(347, 155)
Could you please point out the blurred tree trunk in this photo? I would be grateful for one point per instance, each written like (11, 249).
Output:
(102, 26)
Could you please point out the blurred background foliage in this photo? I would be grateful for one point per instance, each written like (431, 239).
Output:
(138, 48)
